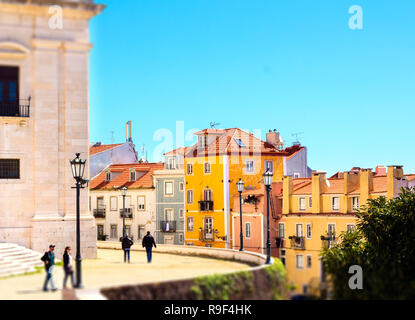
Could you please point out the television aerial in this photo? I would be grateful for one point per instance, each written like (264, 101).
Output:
(214, 124)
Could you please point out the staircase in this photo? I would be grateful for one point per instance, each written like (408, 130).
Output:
(15, 259)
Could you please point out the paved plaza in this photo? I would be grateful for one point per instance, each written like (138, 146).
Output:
(109, 269)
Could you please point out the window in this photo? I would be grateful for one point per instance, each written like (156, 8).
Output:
(100, 203)
(207, 195)
(9, 169)
(189, 168)
(113, 203)
(309, 261)
(355, 203)
(141, 231)
(299, 230)
(100, 231)
(132, 175)
(282, 256)
(207, 167)
(269, 166)
(189, 196)
(240, 143)
(296, 175)
(299, 261)
(310, 202)
(128, 230)
(141, 203)
(208, 227)
(169, 215)
(168, 188)
(202, 141)
(248, 230)
(350, 227)
(181, 237)
(171, 163)
(335, 202)
(249, 166)
(308, 226)
(190, 224)
(90, 207)
(113, 234)
(181, 213)
(181, 186)
(331, 230)
(108, 176)
(281, 230)
(301, 203)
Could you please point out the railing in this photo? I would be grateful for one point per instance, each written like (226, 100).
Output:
(99, 213)
(207, 235)
(206, 205)
(168, 226)
(297, 242)
(128, 212)
(20, 108)
(328, 241)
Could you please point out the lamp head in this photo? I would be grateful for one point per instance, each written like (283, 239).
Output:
(240, 185)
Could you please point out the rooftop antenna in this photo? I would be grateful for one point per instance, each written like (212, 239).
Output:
(296, 134)
(214, 124)
(112, 137)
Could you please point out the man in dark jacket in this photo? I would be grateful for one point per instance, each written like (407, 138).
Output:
(126, 246)
(49, 259)
(148, 242)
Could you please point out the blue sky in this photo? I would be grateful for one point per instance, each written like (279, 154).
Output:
(295, 66)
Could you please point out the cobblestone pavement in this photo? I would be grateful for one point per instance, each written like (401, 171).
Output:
(109, 269)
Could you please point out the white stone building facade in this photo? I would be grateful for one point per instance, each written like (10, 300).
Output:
(37, 204)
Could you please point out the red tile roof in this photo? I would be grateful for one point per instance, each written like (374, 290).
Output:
(226, 143)
(180, 151)
(97, 149)
(144, 176)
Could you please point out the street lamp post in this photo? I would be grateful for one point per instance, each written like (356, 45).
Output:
(124, 193)
(240, 187)
(78, 168)
(268, 182)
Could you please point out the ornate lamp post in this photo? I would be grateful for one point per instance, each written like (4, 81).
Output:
(268, 182)
(240, 187)
(78, 168)
(123, 193)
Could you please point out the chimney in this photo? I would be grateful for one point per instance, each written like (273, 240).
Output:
(287, 189)
(318, 186)
(128, 137)
(380, 171)
(394, 174)
(366, 185)
(273, 138)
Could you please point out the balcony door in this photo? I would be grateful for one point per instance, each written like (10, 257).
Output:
(9, 84)
(169, 215)
(208, 227)
(299, 230)
(207, 195)
(100, 203)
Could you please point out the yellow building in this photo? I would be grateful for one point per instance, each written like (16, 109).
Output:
(319, 207)
(213, 166)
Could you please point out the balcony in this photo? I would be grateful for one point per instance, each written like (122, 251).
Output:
(20, 109)
(328, 241)
(297, 242)
(206, 234)
(128, 212)
(168, 226)
(206, 205)
(100, 212)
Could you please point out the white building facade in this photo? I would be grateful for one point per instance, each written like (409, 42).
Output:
(44, 121)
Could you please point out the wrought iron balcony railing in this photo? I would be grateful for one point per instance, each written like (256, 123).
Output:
(207, 235)
(99, 213)
(168, 226)
(128, 212)
(206, 205)
(297, 242)
(20, 108)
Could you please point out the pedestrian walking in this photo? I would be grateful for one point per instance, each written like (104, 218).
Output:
(148, 242)
(68, 267)
(49, 259)
(126, 246)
